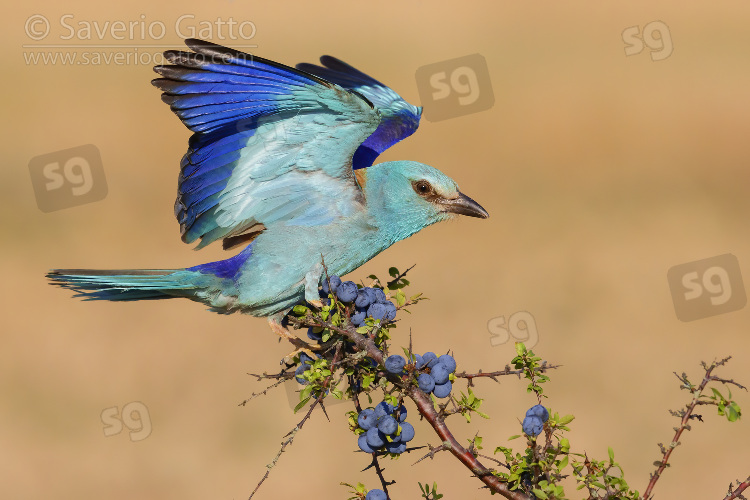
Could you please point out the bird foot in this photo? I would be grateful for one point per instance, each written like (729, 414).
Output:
(301, 345)
(317, 303)
(289, 358)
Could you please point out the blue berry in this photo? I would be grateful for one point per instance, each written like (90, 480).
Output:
(366, 419)
(375, 438)
(371, 294)
(401, 413)
(347, 291)
(395, 363)
(442, 390)
(363, 299)
(538, 411)
(298, 374)
(305, 360)
(390, 310)
(314, 336)
(363, 445)
(377, 311)
(388, 425)
(440, 373)
(335, 282)
(358, 318)
(396, 447)
(447, 361)
(418, 361)
(430, 359)
(426, 382)
(532, 425)
(407, 432)
(379, 296)
(376, 495)
(382, 409)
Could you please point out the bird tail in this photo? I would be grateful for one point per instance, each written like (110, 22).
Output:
(125, 284)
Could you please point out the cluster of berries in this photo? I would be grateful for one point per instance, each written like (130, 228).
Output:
(384, 431)
(533, 422)
(368, 302)
(376, 494)
(436, 371)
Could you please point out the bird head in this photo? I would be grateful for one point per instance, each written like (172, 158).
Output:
(407, 196)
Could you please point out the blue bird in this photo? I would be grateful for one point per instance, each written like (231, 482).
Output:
(281, 159)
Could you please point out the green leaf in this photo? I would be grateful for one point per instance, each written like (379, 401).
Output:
(514, 437)
(400, 298)
(733, 412)
(540, 494)
(566, 419)
(611, 455)
(717, 394)
(520, 348)
(306, 391)
(301, 404)
(300, 310)
(564, 445)
(393, 272)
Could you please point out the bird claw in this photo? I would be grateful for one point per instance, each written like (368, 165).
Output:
(301, 345)
(289, 358)
(316, 302)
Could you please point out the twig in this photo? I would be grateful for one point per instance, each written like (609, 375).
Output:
(737, 492)
(684, 425)
(265, 391)
(379, 472)
(507, 371)
(434, 450)
(291, 434)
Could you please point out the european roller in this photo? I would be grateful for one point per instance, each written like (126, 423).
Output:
(281, 161)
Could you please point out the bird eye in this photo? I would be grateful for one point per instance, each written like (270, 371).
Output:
(422, 187)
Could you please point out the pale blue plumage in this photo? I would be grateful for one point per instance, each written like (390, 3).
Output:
(272, 162)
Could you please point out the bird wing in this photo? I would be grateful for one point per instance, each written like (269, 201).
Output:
(399, 118)
(271, 144)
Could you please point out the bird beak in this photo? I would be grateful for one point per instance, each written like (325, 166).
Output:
(465, 206)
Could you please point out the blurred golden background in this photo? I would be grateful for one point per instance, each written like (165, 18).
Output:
(600, 171)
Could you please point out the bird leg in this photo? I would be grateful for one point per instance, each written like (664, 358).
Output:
(301, 346)
(312, 279)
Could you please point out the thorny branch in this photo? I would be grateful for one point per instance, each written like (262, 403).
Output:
(507, 371)
(424, 404)
(291, 434)
(737, 492)
(687, 415)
